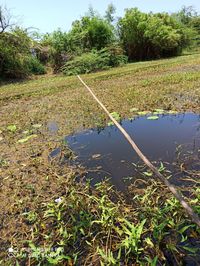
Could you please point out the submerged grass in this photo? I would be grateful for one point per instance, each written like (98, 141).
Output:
(48, 218)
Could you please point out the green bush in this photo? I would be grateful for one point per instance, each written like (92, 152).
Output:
(94, 61)
(16, 60)
(34, 66)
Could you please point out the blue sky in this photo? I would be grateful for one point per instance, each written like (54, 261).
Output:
(48, 15)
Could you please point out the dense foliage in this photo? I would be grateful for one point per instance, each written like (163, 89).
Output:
(88, 46)
(95, 60)
(151, 35)
(16, 58)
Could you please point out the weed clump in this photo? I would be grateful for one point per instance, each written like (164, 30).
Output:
(96, 226)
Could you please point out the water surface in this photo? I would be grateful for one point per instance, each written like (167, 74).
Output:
(107, 153)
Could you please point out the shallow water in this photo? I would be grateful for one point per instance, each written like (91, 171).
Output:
(106, 152)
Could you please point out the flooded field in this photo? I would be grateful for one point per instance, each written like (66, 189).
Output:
(106, 153)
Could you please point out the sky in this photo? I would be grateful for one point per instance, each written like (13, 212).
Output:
(49, 15)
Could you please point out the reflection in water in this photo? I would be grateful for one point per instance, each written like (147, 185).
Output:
(158, 139)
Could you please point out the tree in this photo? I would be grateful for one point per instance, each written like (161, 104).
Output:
(5, 19)
(148, 36)
(16, 58)
(186, 14)
(110, 12)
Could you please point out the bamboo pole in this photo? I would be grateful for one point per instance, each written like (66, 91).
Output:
(194, 217)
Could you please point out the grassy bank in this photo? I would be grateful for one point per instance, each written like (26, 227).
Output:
(89, 225)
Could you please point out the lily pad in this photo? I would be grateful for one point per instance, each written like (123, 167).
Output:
(27, 138)
(36, 125)
(116, 116)
(96, 156)
(143, 113)
(158, 112)
(171, 112)
(153, 117)
(134, 109)
(12, 128)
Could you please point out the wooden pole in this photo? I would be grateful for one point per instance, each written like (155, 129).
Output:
(195, 218)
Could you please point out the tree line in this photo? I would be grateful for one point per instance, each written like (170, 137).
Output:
(96, 42)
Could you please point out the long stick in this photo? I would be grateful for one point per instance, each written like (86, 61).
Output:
(195, 218)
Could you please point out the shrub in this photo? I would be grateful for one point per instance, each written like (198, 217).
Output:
(94, 61)
(16, 60)
(34, 66)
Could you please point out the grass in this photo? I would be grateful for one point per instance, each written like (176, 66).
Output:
(92, 226)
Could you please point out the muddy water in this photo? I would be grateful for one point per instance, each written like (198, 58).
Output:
(105, 153)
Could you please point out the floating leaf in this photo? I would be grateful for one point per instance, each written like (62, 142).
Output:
(96, 156)
(154, 117)
(36, 125)
(116, 116)
(171, 112)
(133, 109)
(143, 113)
(159, 110)
(27, 138)
(12, 128)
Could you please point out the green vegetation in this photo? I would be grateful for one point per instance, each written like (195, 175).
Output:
(93, 228)
(147, 36)
(106, 40)
(94, 61)
(16, 60)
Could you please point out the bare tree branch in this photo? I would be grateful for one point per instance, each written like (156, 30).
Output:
(5, 19)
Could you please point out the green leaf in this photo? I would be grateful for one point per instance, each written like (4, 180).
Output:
(133, 110)
(171, 112)
(154, 117)
(159, 111)
(143, 113)
(27, 138)
(115, 115)
(192, 250)
(147, 173)
(36, 125)
(183, 229)
(12, 128)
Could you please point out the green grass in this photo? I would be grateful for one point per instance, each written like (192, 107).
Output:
(91, 226)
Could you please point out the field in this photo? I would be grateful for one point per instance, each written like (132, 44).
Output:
(30, 180)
